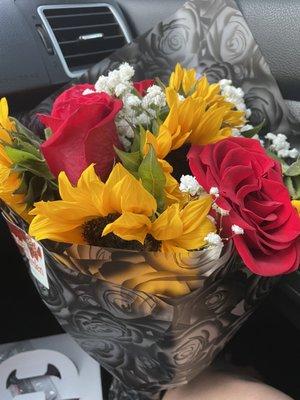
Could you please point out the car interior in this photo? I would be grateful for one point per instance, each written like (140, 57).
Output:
(44, 44)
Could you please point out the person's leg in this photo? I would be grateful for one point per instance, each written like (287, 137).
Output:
(213, 385)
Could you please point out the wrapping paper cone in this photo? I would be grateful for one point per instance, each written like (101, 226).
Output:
(147, 342)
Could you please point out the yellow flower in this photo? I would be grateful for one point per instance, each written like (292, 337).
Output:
(180, 229)
(183, 78)
(6, 125)
(204, 113)
(191, 120)
(296, 204)
(9, 183)
(122, 195)
(172, 192)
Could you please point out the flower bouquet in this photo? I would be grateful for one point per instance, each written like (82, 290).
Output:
(160, 214)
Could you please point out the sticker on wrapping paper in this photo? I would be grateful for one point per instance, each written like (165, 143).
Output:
(32, 250)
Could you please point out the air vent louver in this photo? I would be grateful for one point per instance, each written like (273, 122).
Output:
(84, 34)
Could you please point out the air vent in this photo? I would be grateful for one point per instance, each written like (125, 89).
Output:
(83, 35)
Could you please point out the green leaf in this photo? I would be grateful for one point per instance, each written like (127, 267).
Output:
(22, 189)
(24, 161)
(131, 161)
(142, 139)
(155, 127)
(28, 148)
(25, 134)
(18, 156)
(35, 187)
(39, 189)
(48, 133)
(160, 83)
(136, 141)
(289, 184)
(294, 169)
(153, 178)
(293, 186)
(255, 131)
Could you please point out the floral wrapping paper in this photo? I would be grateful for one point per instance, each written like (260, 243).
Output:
(150, 343)
(213, 37)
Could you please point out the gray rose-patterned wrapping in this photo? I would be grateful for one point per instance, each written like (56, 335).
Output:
(150, 343)
(213, 37)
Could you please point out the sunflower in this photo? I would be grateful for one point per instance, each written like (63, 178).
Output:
(9, 184)
(92, 204)
(185, 227)
(9, 180)
(93, 211)
(202, 111)
(6, 125)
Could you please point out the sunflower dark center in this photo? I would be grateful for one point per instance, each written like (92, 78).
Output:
(92, 233)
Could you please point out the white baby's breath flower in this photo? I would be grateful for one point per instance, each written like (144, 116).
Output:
(117, 82)
(132, 101)
(213, 239)
(143, 119)
(237, 230)
(154, 90)
(154, 97)
(281, 146)
(220, 210)
(113, 79)
(294, 153)
(248, 113)
(234, 95)
(125, 142)
(120, 89)
(214, 191)
(212, 219)
(246, 128)
(283, 153)
(270, 136)
(88, 91)
(189, 184)
(235, 132)
(102, 85)
(126, 72)
(225, 82)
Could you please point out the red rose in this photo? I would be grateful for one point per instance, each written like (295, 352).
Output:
(83, 132)
(142, 86)
(252, 190)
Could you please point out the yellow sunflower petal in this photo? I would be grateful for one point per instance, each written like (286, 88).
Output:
(44, 228)
(193, 240)
(4, 159)
(6, 124)
(189, 80)
(296, 204)
(172, 191)
(176, 77)
(196, 225)
(130, 226)
(164, 142)
(168, 225)
(87, 192)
